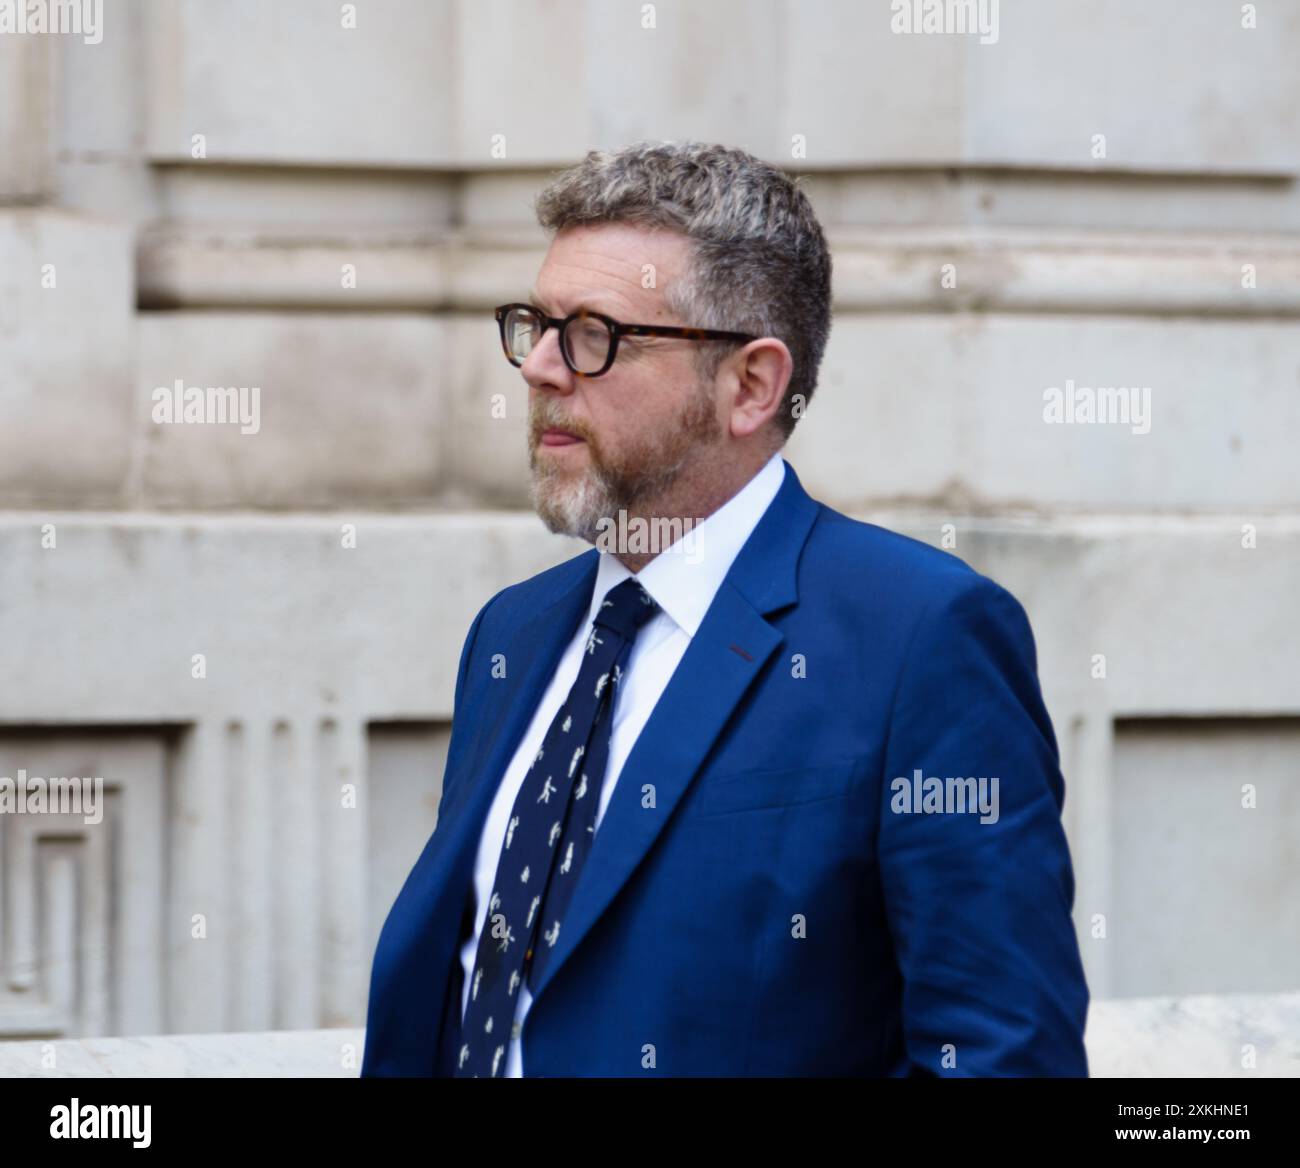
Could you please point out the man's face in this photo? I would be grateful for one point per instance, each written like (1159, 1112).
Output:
(642, 424)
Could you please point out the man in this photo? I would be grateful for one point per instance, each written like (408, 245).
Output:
(781, 798)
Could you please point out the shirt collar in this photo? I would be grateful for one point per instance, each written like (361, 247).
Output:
(684, 578)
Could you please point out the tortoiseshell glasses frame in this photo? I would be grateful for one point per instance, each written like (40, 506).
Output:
(507, 315)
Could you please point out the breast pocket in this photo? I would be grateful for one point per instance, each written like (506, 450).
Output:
(752, 790)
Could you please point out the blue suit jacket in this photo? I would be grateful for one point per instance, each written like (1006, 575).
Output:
(752, 905)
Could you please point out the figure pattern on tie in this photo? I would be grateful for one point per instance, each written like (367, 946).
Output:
(549, 835)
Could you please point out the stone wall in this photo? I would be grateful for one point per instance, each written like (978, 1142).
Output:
(238, 193)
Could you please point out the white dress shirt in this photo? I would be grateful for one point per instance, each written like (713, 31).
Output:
(683, 579)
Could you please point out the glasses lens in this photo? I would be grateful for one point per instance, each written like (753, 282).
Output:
(587, 341)
(522, 331)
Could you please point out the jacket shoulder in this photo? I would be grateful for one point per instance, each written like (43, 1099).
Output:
(540, 590)
(905, 593)
(858, 546)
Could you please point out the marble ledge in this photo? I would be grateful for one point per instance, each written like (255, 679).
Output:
(1201, 1036)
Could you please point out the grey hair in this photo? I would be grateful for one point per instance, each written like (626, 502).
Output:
(760, 263)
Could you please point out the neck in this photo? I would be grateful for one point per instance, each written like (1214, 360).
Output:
(690, 500)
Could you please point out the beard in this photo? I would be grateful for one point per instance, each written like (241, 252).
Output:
(574, 500)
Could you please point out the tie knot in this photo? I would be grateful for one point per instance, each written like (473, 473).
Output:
(626, 607)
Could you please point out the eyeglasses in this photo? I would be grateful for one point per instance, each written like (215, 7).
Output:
(588, 340)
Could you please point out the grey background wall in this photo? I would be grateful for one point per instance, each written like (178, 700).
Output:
(240, 193)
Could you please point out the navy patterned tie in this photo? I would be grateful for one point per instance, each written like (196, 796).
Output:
(549, 835)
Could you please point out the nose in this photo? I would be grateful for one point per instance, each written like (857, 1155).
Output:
(544, 367)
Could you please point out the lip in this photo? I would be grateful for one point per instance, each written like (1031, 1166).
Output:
(559, 438)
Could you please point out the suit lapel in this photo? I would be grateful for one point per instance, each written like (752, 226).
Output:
(531, 658)
(728, 652)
